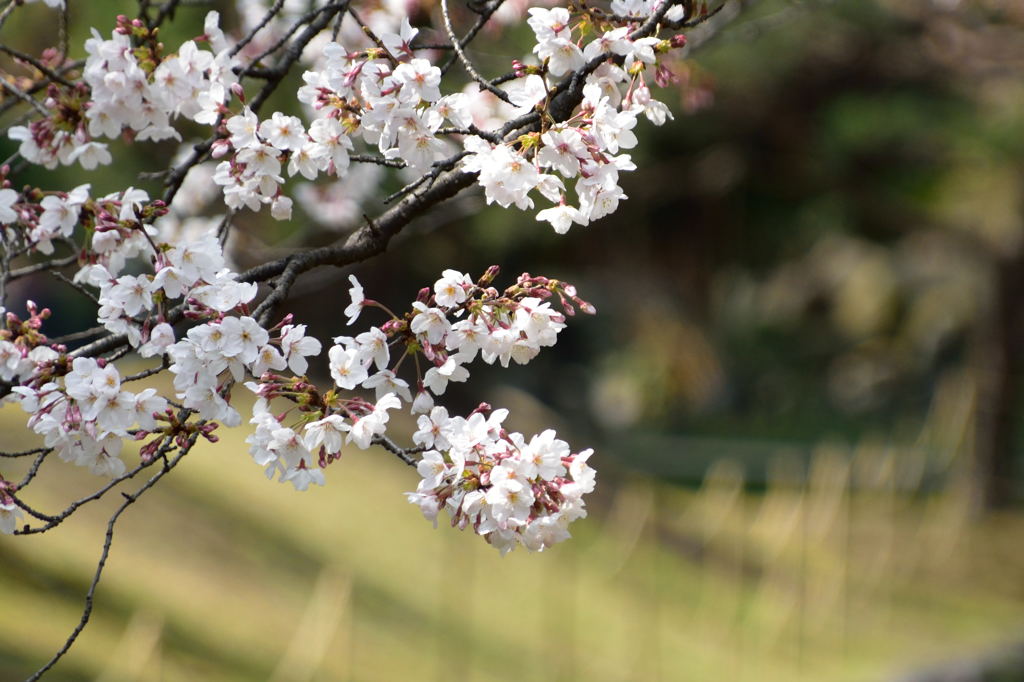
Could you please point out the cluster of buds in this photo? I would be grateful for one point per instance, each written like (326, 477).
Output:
(25, 352)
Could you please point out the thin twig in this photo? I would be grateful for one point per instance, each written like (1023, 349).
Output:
(378, 160)
(24, 453)
(253, 70)
(482, 19)
(431, 175)
(283, 284)
(400, 452)
(78, 336)
(45, 265)
(38, 65)
(54, 520)
(118, 353)
(374, 38)
(63, 30)
(11, 4)
(225, 227)
(164, 364)
(20, 94)
(42, 84)
(80, 288)
(5, 268)
(468, 65)
(165, 11)
(34, 469)
(267, 18)
(129, 499)
(294, 51)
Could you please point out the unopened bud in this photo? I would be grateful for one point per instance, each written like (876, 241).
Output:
(489, 275)
(220, 148)
(585, 307)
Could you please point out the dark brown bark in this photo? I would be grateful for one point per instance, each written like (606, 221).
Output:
(998, 367)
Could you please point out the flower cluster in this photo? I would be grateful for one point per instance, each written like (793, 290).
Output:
(85, 416)
(299, 457)
(450, 326)
(558, 126)
(212, 356)
(128, 85)
(80, 409)
(508, 489)
(25, 352)
(78, 406)
(143, 94)
(37, 224)
(585, 147)
(389, 95)
(513, 491)
(391, 98)
(137, 305)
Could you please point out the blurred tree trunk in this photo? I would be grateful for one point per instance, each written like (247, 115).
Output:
(998, 365)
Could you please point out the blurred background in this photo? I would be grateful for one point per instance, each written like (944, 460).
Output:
(803, 386)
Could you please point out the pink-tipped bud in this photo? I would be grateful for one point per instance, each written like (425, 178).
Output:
(489, 275)
(220, 148)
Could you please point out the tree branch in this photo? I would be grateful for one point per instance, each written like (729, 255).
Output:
(129, 499)
(468, 65)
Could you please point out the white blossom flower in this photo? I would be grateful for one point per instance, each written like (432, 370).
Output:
(437, 378)
(355, 293)
(295, 346)
(9, 515)
(7, 212)
(328, 433)
(450, 290)
(243, 128)
(421, 78)
(385, 381)
(365, 428)
(347, 367)
(429, 322)
(431, 429)
(283, 132)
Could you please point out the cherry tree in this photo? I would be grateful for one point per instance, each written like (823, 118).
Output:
(548, 138)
